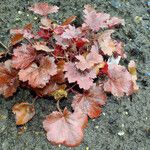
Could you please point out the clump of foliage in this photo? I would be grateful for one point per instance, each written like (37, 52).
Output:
(61, 59)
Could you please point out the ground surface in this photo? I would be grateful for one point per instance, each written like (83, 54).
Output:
(125, 123)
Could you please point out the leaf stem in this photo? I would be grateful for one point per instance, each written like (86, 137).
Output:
(71, 87)
(34, 99)
(58, 106)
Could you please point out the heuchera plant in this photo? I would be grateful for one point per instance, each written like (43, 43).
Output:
(61, 59)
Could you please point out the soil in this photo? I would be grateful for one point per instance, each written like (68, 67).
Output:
(125, 122)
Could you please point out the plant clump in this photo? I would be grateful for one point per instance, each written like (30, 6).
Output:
(60, 59)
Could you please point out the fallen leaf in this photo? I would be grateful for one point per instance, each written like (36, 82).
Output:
(16, 38)
(24, 112)
(65, 128)
(8, 79)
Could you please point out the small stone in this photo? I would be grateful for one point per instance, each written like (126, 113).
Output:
(20, 12)
(87, 148)
(104, 114)
(137, 19)
(59, 145)
(121, 133)
(122, 125)
(96, 127)
(146, 118)
(35, 18)
(93, 120)
(17, 19)
(28, 15)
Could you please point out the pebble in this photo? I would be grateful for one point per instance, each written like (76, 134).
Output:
(87, 148)
(121, 133)
(122, 125)
(137, 19)
(104, 114)
(96, 127)
(35, 18)
(20, 12)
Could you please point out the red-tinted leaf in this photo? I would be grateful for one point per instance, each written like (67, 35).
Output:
(46, 23)
(84, 79)
(42, 46)
(90, 102)
(97, 20)
(104, 70)
(23, 56)
(8, 79)
(50, 88)
(91, 59)
(119, 82)
(106, 43)
(71, 32)
(45, 34)
(38, 76)
(24, 112)
(43, 9)
(65, 128)
(25, 32)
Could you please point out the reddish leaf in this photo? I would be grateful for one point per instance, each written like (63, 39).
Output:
(46, 23)
(91, 59)
(8, 79)
(106, 43)
(69, 20)
(16, 38)
(65, 128)
(95, 20)
(42, 46)
(71, 32)
(83, 78)
(38, 76)
(90, 102)
(99, 20)
(25, 32)
(59, 77)
(119, 82)
(43, 9)
(24, 112)
(104, 70)
(45, 34)
(114, 21)
(50, 88)
(23, 56)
